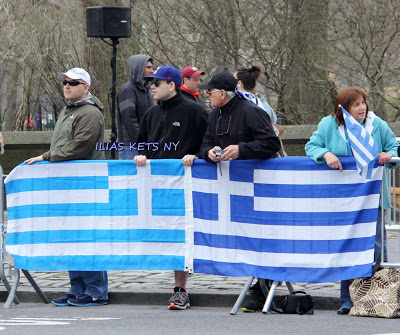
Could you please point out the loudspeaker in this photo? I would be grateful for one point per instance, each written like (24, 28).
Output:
(108, 21)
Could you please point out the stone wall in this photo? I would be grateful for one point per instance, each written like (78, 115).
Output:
(25, 144)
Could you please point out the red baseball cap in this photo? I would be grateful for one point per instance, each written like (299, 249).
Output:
(191, 71)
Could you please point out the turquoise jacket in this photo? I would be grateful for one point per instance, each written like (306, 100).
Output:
(331, 137)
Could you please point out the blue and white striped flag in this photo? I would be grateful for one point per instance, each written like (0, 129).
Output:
(96, 215)
(364, 148)
(287, 219)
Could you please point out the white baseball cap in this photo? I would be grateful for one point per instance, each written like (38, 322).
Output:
(76, 73)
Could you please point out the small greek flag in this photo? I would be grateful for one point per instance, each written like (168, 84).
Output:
(364, 148)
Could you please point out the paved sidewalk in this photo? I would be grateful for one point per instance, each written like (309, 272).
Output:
(155, 287)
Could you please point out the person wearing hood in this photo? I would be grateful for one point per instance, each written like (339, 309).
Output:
(79, 128)
(134, 99)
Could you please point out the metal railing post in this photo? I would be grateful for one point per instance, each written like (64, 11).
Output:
(3, 278)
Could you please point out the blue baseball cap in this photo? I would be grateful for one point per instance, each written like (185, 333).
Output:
(168, 73)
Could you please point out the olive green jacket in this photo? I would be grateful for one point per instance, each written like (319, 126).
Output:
(79, 127)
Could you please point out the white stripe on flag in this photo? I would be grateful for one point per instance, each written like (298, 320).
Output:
(122, 182)
(100, 249)
(58, 170)
(323, 177)
(153, 181)
(316, 205)
(189, 220)
(95, 222)
(290, 260)
(360, 146)
(57, 197)
(280, 232)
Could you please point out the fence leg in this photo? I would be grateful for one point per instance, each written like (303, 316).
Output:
(35, 286)
(241, 296)
(7, 285)
(11, 294)
(270, 296)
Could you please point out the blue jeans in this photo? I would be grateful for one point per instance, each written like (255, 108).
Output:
(345, 301)
(92, 283)
(127, 154)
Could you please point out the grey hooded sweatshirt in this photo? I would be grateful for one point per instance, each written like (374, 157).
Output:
(133, 100)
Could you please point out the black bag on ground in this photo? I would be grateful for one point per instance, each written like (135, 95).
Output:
(297, 303)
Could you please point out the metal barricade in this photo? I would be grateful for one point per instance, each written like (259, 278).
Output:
(7, 270)
(391, 219)
(6, 267)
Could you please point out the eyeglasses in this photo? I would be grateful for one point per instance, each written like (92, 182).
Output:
(72, 83)
(218, 131)
(157, 83)
(208, 92)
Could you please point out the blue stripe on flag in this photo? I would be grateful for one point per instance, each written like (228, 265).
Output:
(167, 167)
(203, 170)
(122, 202)
(205, 206)
(100, 263)
(98, 236)
(57, 183)
(122, 168)
(317, 191)
(239, 170)
(242, 210)
(168, 202)
(285, 164)
(290, 274)
(284, 246)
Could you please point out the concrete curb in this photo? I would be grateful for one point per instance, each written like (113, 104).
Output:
(197, 298)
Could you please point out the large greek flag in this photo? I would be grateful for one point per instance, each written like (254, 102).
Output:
(287, 219)
(364, 148)
(96, 215)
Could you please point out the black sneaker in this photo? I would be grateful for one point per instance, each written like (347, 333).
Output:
(254, 305)
(257, 300)
(179, 300)
(254, 287)
(63, 301)
(86, 300)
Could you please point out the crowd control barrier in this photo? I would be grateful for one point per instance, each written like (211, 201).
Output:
(391, 217)
(7, 269)
(391, 220)
(13, 273)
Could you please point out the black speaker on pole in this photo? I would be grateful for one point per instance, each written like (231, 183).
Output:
(108, 22)
(113, 23)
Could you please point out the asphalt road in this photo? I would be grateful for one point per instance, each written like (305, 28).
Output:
(129, 319)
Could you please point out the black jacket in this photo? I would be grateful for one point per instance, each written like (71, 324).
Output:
(190, 97)
(244, 123)
(133, 100)
(177, 121)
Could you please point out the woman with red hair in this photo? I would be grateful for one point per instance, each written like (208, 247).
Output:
(330, 142)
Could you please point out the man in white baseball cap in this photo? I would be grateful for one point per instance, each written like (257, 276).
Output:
(76, 73)
(79, 127)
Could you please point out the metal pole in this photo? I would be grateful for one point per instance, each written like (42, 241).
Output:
(10, 290)
(270, 296)
(113, 93)
(35, 286)
(242, 295)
